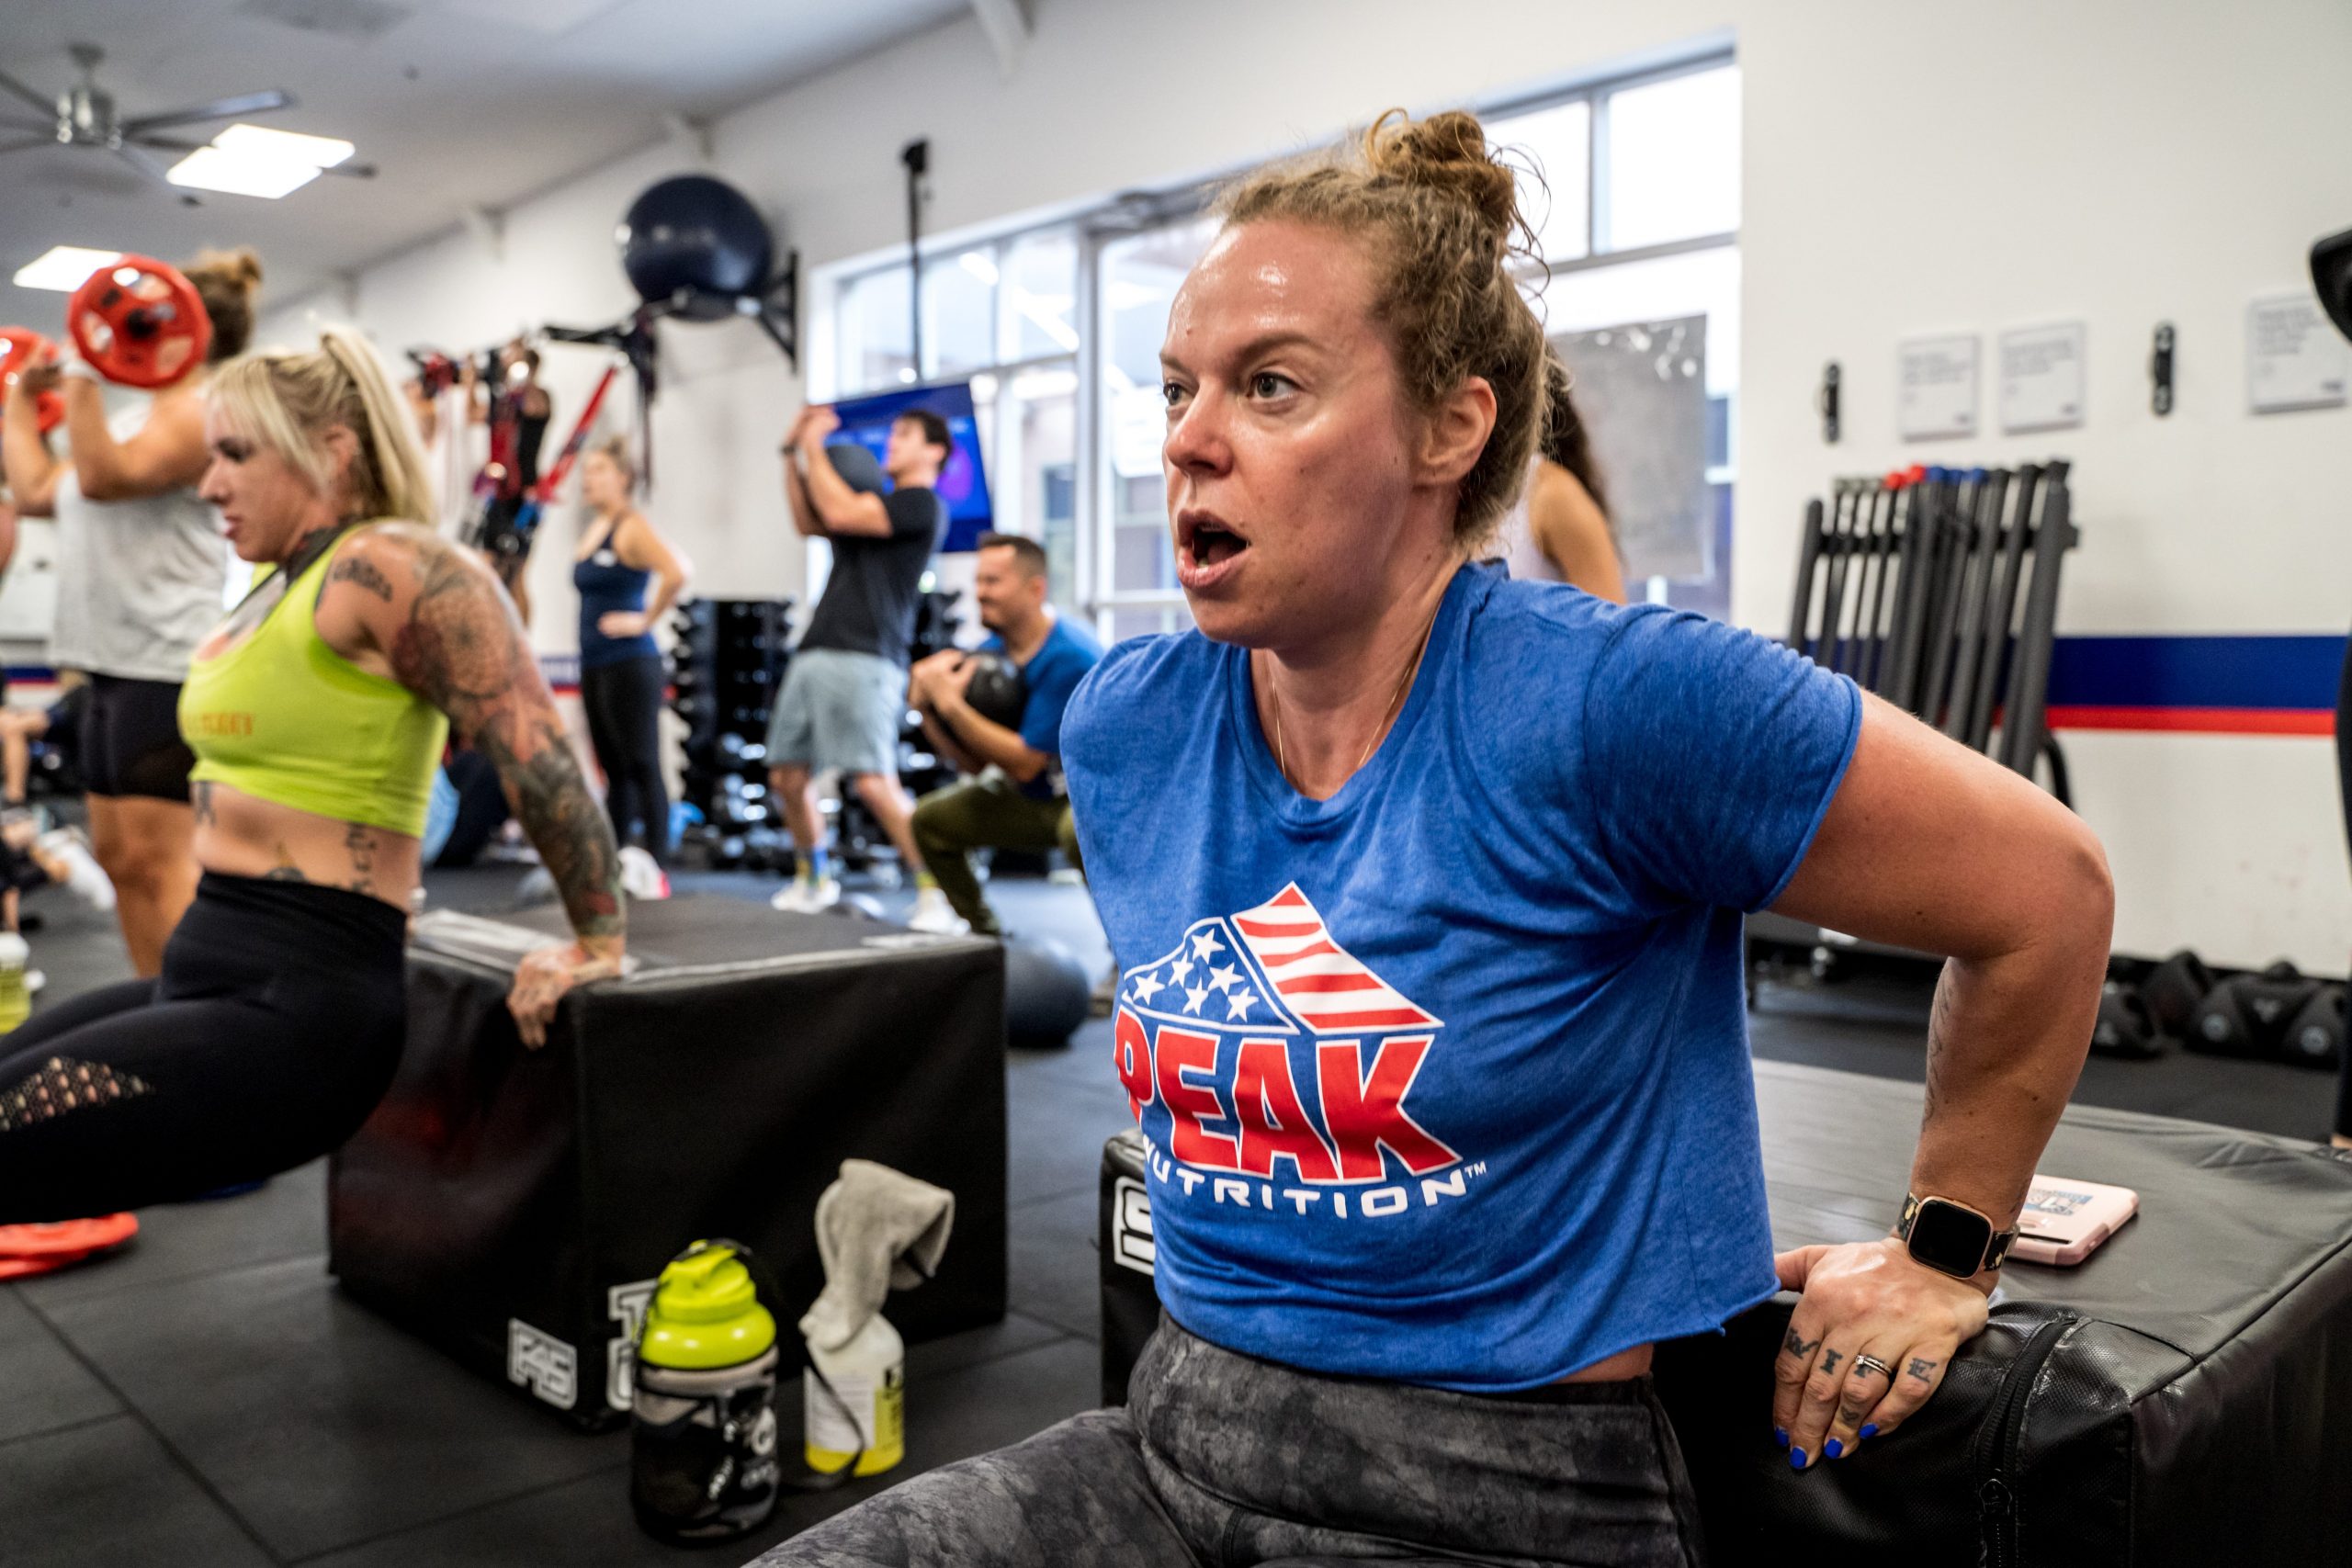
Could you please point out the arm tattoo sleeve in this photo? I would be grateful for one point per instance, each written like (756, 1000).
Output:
(462, 649)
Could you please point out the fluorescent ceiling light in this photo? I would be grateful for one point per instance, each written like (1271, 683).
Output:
(977, 264)
(285, 146)
(63, 268)
(210, 168)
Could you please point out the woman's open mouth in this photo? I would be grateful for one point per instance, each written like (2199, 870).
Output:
(1206, 549)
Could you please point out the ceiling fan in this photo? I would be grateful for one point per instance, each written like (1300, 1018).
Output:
(84, 116)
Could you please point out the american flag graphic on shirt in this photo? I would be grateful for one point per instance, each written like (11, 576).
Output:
(1261, 1046)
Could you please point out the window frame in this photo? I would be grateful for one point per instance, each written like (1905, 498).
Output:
(1098, 225)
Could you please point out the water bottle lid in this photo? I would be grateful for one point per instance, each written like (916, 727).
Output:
(705, 1313)
(14, 949)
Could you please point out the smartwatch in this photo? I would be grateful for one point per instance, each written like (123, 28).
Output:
(1950, 1238)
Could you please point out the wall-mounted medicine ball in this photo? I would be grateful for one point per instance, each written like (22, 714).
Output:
(698, 235)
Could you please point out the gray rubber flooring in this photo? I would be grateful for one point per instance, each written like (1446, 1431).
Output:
(208, 1397)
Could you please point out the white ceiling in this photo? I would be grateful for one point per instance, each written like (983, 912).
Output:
(459, 103)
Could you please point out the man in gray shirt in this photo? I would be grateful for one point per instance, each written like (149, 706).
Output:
(844, 697)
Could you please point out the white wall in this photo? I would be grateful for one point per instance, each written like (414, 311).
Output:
(1908, 168)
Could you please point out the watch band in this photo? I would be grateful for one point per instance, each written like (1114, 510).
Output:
(1997, 1250)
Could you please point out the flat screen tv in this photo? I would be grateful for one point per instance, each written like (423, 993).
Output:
(964, 483)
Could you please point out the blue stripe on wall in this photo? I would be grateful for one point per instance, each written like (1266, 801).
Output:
(2196, 672)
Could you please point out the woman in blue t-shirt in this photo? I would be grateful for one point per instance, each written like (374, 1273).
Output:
(1426, 891)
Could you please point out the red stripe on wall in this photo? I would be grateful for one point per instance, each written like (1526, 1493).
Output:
(2198, 721)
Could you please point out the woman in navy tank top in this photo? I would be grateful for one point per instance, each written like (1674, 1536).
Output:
(620, 668)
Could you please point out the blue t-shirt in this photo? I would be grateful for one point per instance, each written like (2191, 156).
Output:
(1446, 1077)
(1051, 676)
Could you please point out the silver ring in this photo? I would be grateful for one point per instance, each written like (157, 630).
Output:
(1875, 1364)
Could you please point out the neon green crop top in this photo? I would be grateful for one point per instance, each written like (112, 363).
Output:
(283, 718)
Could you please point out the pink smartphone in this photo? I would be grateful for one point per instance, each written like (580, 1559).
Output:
(2063, 1221)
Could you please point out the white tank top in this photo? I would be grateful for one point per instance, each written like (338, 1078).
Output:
(138, 581)
(1515, 544)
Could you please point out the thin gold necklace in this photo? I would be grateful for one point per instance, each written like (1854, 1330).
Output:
(1396, 702)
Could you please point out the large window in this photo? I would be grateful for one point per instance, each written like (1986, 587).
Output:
(1632, 189)
(1002, 315)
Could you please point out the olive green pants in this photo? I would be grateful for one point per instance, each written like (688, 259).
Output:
(985, 813)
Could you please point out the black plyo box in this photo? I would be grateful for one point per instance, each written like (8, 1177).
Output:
(515, 1206)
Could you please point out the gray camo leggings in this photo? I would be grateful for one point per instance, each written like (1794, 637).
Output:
(1226, 1461)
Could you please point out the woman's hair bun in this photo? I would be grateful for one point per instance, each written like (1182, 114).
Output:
(240, 268)
(1448, 153)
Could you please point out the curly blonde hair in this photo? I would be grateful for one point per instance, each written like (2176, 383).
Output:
(1439, 217)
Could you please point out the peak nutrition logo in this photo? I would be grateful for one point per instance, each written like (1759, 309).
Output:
(1271, 1068)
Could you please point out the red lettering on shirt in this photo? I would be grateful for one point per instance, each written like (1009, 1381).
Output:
(1273, 1123)
(1189, 1104)
(1131, 1054)
(1365, 1114)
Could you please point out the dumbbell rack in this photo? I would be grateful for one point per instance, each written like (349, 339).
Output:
(1936, 589)
(726, 668)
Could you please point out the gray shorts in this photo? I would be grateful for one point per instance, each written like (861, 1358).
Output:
(840, 712)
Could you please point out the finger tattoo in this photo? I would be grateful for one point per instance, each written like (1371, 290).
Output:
(1796, 1347)
(1922, 1369)
(1829, 1360)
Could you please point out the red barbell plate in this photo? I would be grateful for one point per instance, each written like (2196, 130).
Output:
(19, 347)
(140, 322)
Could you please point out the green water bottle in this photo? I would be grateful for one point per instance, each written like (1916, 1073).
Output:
(703, 1428)
(15, 1002)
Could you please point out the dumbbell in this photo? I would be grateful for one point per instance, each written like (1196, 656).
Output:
(2125, 1028)
(2174, 990)
(2248, 1016)
(2315, 1037)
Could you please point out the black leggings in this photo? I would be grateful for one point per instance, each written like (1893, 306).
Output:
(271, 1034)
(624, 703)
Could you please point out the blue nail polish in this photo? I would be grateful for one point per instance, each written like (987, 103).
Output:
(1781, 1436)
(1870, 1430)
(1796, 1459)
(1832, 1449)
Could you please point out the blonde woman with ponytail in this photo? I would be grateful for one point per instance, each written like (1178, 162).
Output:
(140, 574)
(1424, 886)
(317, 712)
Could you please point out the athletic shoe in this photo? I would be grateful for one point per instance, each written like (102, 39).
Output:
(803, 897)
(83, 872)
(933, 913)
(641, 879)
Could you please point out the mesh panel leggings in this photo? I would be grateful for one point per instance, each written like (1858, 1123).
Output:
(624, 703)
(270, 1035)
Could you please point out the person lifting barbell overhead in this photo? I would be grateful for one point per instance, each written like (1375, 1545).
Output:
(140, 561)
(1018, 801)
(1426, 888)
(317, 710)
(517, 410)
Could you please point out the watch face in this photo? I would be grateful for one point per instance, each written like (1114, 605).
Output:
(1949, 1237)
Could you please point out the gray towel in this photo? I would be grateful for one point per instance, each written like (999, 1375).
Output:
(876, 1230)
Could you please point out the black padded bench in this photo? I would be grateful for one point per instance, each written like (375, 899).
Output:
(2182, 1397)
